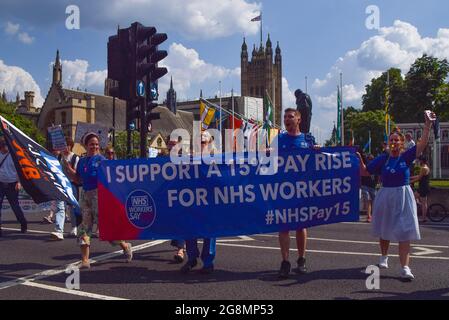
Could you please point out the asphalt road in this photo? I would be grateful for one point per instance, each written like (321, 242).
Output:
(33, 267)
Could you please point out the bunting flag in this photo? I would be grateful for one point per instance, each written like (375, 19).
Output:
(235, 123)
(250, 130)
(207, 115)
(338, 136)
(39, 172)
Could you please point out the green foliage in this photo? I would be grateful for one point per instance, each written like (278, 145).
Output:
(120, 145)
(409, 97)
(364, 122)
(27, 126)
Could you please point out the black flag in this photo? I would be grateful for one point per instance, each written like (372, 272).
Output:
(40, 173)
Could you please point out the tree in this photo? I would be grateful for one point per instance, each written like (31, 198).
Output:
(374, 98)
(442, 102)
(364, 122)
(8, 110)
(120, 145)
(426, 76)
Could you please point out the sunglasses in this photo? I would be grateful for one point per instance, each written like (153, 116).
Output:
(110, 152)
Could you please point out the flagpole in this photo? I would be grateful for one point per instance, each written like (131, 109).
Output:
(219, 124)
(342, 117)
(261, 39)
(388, 102)
(274, 99)
(233, 114)
(306, 85)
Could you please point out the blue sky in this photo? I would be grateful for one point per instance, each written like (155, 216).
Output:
(318, 39)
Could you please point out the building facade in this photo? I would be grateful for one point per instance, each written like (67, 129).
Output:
(262, 75)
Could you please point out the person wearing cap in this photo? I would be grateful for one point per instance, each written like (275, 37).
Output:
(209, 244)
(10, 186)
(86, 173)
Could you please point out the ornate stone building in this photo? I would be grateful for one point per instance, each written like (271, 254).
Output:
(66, 107)
(260, 75)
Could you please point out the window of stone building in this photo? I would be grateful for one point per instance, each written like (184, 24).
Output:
(251, 91)
(445, 135)
(257, 91)
(63, 117)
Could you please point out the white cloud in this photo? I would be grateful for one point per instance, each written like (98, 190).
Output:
(75, 74)
(13, 29)
(397, 46)
(204, 19)
(189, 70)
(14, 79)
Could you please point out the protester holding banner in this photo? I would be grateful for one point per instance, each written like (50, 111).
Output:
(59, 214)
(86, 172)
(394, 211)
(69, 162)
(291, 140)
(209, 244)
(10, 186)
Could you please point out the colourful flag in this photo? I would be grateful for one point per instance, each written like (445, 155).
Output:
(235, 123)
(40, 173)
(207, 115)
(258, 18)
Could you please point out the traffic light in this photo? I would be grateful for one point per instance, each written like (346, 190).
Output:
(132, 114)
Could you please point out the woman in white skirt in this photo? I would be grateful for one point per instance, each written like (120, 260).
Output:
(394, 211)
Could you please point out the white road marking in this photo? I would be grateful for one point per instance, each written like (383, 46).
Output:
(240, 238)
(28, 231)
(425, 251)
(69, 291)
(428, 224)
(357, 241)
(326, 251)
(56, 271)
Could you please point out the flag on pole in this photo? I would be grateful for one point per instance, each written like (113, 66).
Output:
(39, 172)
(258, 18)
(351, 142)
(207, 115)
(338, 136)
(367, 145)
(268, 124)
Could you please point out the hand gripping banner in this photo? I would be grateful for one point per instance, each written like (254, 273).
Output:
(157, 199)
(39, 171)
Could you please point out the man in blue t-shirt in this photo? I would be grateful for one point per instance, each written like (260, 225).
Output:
(291, 140)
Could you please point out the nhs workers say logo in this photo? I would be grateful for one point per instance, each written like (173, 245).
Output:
(140, 209)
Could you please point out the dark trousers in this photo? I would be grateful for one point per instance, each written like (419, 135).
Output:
(9, 190)
(207, 253)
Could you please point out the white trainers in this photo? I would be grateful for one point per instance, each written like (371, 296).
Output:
(74, 232)
(383, 262)
(57, 236)
(406, 273)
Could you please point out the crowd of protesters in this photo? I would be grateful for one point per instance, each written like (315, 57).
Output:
(385, 189)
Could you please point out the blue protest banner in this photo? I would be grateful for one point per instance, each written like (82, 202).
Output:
(157, 199)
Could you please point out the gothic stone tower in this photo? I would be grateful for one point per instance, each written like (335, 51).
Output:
(260, 74)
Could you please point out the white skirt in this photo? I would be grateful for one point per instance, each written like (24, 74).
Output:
(394, 215)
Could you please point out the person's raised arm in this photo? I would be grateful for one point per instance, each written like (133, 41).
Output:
(422, 144)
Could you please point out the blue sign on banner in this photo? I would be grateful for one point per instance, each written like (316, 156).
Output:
(157, 199)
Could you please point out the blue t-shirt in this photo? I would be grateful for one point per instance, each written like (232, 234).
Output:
(394, 171)
(288, 142)
(87, 169)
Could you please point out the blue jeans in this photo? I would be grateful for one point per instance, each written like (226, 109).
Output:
(75, 212)
(9, 190)
(60, 216)
(207, 253)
